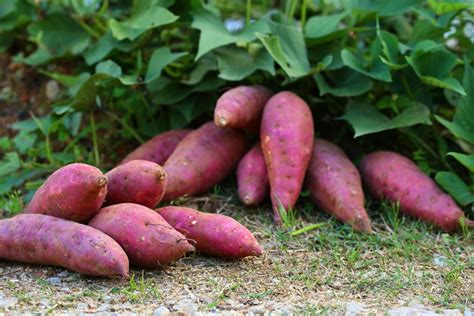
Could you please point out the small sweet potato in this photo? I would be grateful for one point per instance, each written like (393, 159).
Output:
(287, 135)
(252, 178)
(148, 240)
(393, 177)
(74, 192)
(335, 185)
(214, 234)
(43, 239)
(159, 148)
(138, 181)
(203, 158)
(241, 107)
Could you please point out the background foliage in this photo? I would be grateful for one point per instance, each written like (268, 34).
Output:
(378, 75)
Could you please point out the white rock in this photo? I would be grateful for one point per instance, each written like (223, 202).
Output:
(410, 311)
(54, 280)
(161, 311)
(452, 312)
(6, 302)
(439, 260)
(186, 305)
(354, 308)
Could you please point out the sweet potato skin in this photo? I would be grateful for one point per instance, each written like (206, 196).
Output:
(389, 175)
(335, 185)
(252, 177)
(203, 159)
(159, 148)
(138, 181)
(287, 135)
(214, 234)
(148, 240)
(43, 239)
(74, 192)
(241, 107)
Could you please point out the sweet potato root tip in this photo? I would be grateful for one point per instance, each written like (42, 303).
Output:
(102, 181)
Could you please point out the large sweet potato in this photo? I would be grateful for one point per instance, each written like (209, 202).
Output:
(138, 181)
(214, 234)
(148, 240)
(287, 135)
(393, 177)
(335, 185)
(74, 192)
(203, 158)
(241, 107)
(43, 239)
(159, 148)
(252, 178)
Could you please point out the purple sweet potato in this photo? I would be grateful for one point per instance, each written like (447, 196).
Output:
(74, 192)
(203, 158)
(393, 177)
(335, 185)
(138, 181)
(148, 240)
(43, 239)
(159, 148)
(287, 135)
(252, 178)
(241, 107)
(214, 234)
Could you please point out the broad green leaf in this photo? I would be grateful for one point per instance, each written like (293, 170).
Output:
(108, 67)
(147, 15)
(24, 141)
(73, 83)
(86, 96)
(204, 65)
(86, 7)
(445, 6)
(106, 44)
(466, 160)
(376, 70)
(287, 47)
(347, 83)
(390, 50)
(214, 34)
(450, 182)
(7, 7)
(320, 26)
(383, 7)
(235, 64)
(160, 58)
(366, 119)
(10, 163)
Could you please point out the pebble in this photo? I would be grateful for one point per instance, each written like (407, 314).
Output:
(63, 274)
(186, 305)
(354, 308)
(52, 90)
(439, 260)
(81, 306)
(54, 280)
(420, 310)
(103, 308)
(6, 302)
(161, 311)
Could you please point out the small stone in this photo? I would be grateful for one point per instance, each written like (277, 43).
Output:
(107, 299)
(186, 305)
(54, 280)
(63, 274)
(81, 306)
(410, 311)
(354, 308)
(44, 302)
(103, 308)
(467, 312)
(452, 312)
(439, 260)
(161, 311)
(259, 309)
(6, 302)
(52, 90)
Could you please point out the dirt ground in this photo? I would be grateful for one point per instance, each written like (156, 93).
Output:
(331, 269)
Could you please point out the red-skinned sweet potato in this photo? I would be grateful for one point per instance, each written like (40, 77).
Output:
(286, 135)
(148, 240)
(74, 192)
(252, 178)
(393, 177)
(203, 158)
(335, 185)
(241, 107)
(159, 148)
(43, 239)
(137, 181)
(214, 234)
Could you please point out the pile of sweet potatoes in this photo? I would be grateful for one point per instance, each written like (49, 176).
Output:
(98, 224)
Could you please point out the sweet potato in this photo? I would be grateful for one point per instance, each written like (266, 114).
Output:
(74, 192)
(148, 240)
(43, 239)
(214, 234)
(159, 148)
(241, 107)
(287, 135)
(335, 185)
(203, 158)
(252, 178)
(393, 177)
(138, 181)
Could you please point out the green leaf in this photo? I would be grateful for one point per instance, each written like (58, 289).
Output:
(108, 67)
(366, 119)
(73, 83)
(160, 58)
(320, 26)
(391, 50)
(450, 182)
(106, 44)
(466, 160)
(287, 47)
(384, 7)
(214, 34)
(10, 163)
(235, 64)
(147, 15)
(86, 95)
(204, 65)
(24, 141)
(445, 6)
(376, 70)
(347, 83)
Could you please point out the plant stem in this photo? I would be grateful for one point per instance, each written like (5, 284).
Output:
(126, 126)
(94, 140)
(88, 29)
(292, 9)
(303, 13)
(49, 152)
(248, 12)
